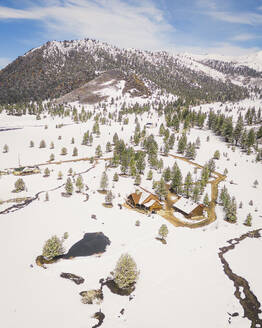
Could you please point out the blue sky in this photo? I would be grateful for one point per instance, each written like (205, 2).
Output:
(229, 27)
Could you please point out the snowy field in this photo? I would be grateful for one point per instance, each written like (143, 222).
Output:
(181, 283)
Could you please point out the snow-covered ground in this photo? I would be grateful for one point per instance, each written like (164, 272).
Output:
(181, 284)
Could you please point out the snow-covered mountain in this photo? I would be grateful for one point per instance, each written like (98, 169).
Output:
(253, 61)
(57, 68)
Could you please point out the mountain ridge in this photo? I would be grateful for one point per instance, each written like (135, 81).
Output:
(59, 67)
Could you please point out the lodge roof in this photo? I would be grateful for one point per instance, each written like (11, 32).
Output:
(185, 205)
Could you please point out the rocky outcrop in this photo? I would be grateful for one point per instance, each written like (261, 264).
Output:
(76, 279)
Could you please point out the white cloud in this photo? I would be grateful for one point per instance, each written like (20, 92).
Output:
(245, 37)
(220, 48)
(4, 61)
(141, 25)
(239, 18)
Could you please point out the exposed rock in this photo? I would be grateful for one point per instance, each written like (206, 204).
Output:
(110, 283)
(100, 317)
(92, 296)
(76, 279)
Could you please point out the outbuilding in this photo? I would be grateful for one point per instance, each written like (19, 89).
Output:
(188, 208)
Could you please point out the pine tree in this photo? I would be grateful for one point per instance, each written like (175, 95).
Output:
(206, 200)
(255, 183)
(198, 143)
(125, 273)
(238, 129)
(46, 197)
(251, 137)
(163, 231)
(52, 157)
(60, 175)
(115, 139)
(243, 140)
(75, 151)
(98, 151)
(46, 172)
(196, 193)
(72, 140)
(70, 171)
(109, 197)
(31, 144)
(137, 180)
(216, 155)
(52, 146)
(191, 151)
(115, 177)
(108, 147)
(176, 183)
(231, 211)
(188, 185)
(211, 166)
(166, 149)
(182, 143)
(160, 165)
(205, 175)
(140, 163)
(248, 221)
(150, 175)
(79, 183)
(53, 247)
(161, 190)
(167, 174)
(104, 181)
(69, 186)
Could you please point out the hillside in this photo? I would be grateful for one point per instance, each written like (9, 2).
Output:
(57, 68)
(107, 84)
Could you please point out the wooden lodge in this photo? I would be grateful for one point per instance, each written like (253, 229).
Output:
(26, 170)
(144, 201)
(188, 208)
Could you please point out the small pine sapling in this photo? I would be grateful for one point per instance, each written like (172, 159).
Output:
(163, 231)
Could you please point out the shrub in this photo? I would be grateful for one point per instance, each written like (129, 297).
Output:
(66, 235)
(75, 151)
(64, 151)
(53, 247)
(42, 144)
(125, 273)
(216, 154)
(248, 221)
(46, 172)
(5, 149)
(79, 183)
(115, 177)
(19, 185)
(109, 197)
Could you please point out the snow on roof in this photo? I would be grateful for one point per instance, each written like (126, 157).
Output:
(144, 196)
(185, 205)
